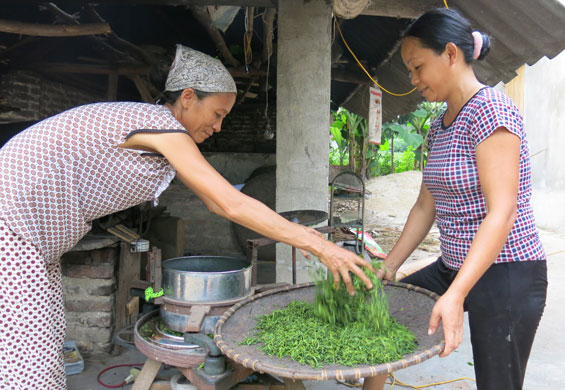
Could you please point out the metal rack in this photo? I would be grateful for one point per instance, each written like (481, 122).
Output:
(349, 186)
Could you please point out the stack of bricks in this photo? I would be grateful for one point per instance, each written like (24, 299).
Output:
(28, 96)
(89, 287)
(243, 131)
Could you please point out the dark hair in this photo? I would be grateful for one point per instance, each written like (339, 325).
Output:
(172, 96)
(436, 28)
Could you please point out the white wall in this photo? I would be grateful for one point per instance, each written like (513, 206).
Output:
(544, 115)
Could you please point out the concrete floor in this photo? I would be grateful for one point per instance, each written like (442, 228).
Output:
(546, 369)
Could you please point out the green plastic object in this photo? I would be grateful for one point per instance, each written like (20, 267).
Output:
(149, 293)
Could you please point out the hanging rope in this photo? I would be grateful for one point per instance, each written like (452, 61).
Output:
(365, 70)
(248, 53)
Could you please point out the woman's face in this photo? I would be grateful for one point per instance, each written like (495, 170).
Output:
(428, 70)
(203, 117)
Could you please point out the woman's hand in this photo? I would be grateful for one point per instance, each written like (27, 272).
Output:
(315, 233)
(386, 271)
(449, 310)
(341, 262)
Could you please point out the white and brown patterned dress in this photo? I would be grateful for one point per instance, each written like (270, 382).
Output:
(55, 178)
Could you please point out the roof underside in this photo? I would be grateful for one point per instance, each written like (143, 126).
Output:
(523, 32)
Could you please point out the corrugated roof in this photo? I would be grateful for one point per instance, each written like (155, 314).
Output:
(524, 31)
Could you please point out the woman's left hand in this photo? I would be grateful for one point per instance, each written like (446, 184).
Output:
(449, 310)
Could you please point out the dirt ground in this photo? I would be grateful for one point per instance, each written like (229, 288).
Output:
(387, 206)
(388, 202)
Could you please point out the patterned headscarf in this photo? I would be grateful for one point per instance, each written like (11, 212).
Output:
(194, 69)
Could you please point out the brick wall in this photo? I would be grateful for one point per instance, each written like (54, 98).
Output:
(243, 132)
(89, 286)
(27, 96)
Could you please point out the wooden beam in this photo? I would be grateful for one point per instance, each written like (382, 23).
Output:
(53, 30)
(201, 14)
(112, 90)
(240, 3)
(142, 88)
(86, 68)
(125, 70)
(404, 9)
(350, 77)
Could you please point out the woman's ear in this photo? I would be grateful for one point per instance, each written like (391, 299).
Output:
(187, 97)
(452, 52)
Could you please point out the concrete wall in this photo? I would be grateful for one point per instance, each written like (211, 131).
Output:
(544, 115)
(206, 233)
(303, 102)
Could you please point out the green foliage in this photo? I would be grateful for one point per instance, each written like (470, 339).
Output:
(349, 141)
(406, 136)
(339, 153)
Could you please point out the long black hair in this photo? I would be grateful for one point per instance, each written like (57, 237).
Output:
(437, 27)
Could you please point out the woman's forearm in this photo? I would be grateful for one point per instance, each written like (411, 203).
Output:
(418, 224)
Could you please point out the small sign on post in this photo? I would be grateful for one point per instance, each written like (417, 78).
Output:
(375, 115)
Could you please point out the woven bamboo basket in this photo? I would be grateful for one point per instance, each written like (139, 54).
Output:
(410, 305)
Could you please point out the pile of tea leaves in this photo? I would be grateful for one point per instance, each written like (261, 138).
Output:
(336, 329)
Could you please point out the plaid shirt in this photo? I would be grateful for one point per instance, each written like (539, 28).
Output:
(452, 177)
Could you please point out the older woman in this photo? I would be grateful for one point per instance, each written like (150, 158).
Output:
(65, 171)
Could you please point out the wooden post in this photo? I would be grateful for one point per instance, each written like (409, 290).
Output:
(112, 92)
(515, 88)
(129, 269)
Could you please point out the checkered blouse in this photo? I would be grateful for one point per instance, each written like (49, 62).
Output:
(452, 177)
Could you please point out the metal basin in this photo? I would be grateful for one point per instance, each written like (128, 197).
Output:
(203, 279)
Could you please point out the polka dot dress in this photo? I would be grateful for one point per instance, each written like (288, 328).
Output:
(32, 317)
(55, 178)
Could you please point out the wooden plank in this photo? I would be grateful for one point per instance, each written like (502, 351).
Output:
(515, 88)
(196, 318)
(132, 307)
(53, 30)
(404, 9)
(147, 375)
(129, 269)
(161, 385)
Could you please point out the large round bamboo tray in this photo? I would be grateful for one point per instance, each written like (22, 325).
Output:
(410, 305)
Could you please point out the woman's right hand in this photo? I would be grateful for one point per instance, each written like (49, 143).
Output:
(386, 272)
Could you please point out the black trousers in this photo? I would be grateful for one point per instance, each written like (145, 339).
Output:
(505, 307)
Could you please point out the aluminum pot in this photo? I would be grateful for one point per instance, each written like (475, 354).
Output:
(203, 279)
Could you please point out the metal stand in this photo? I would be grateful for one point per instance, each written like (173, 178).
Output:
(255, 244)
(350, 187)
